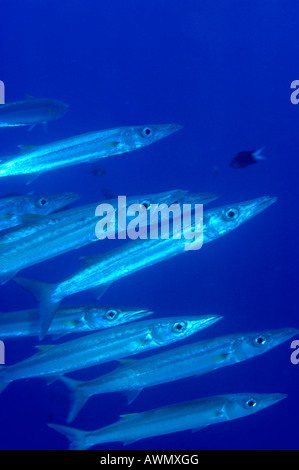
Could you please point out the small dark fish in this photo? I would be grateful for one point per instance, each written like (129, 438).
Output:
(243, 159)
(107, 194)
(98, 171)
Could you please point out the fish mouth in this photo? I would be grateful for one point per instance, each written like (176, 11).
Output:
(168, 129)
(66, 198)
(200, 198)
(272, 399)
(209, 320)
(266, 202)
(142, 313)
(285, 334)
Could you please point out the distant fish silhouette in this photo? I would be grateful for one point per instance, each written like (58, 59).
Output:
(98, 171)
(107, 194)
(243, 159)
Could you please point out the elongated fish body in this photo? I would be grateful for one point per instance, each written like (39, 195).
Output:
(46, 222)
(137, 255)
(69, 319)
(104, 346)
(191, 415)
(84, 148)
(72, 231)
(185, 361)
(42, 204)
(15, 209)
(171, 197)
(31, 111)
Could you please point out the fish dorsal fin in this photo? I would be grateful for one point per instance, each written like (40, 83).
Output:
(198, 429)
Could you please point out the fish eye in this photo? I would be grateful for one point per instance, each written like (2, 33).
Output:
(146, 132)
(43, 202)
(260, 340)
(231, 214)
(251, 403)
(111, 314)
(146, 205)
(179, 327)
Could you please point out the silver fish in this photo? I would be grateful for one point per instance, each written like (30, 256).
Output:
(193, 359)
(190, 415)
(137, 255)
(105, 346)
(71, 230)
(31, 111)
(83, 148)
(69, 319)
(16, 209)
(29, 228)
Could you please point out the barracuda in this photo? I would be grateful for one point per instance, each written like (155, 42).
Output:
(104, 346)
(31, 111)
(193, 359)
(191, 415)
(69, 319)
(73, 230)
(137, 255)
(15, 209)
(175, 196)
(84, 148)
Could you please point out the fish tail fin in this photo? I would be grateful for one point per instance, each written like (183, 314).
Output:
(257, 155)
(77, 397)
(3, 381)
(76, 437)
(42, 291)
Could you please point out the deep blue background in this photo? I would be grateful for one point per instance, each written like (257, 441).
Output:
(222, 70)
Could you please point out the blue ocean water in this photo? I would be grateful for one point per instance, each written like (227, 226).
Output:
(223, 70)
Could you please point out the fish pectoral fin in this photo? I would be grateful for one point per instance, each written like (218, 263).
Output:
(198, 429)
(132, 395)
(43, 347)
(111, 145)
(127, 443)
(51, 379)
(91, 259)
(125, 362)
(220, 357)
(31, 177)
(71, 328)
(128, 416)
(5, 277)
(25, 148)
(100, 291)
